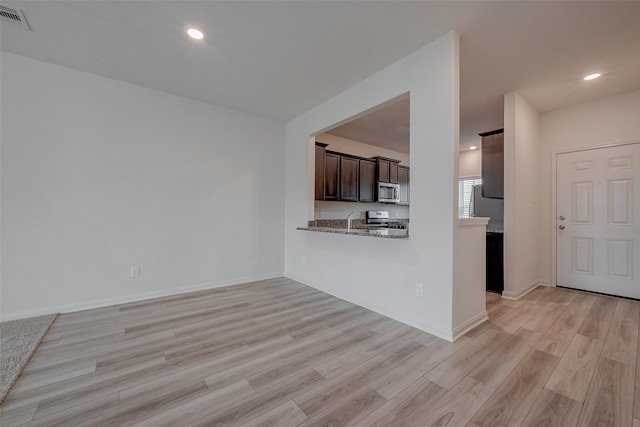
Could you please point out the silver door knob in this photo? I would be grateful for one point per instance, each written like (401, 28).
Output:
(561, 217)
(561, 227)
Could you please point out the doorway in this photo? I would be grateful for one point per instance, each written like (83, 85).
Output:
(597, 222)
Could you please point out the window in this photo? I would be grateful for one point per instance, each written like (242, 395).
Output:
(465, 186)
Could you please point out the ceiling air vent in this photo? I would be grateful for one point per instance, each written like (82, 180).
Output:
(13, 16)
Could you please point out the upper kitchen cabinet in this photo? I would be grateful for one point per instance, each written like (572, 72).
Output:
(393, 172)
(351, 178)
(349, 167)
(493, 164)
(403, 180)
(367, 184)
(331, 176)
(319, 187)
(387, 170)
(383, 170)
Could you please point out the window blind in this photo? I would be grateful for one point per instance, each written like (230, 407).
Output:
(465, 187)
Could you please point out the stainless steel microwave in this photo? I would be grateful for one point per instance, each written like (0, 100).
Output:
(388, 193)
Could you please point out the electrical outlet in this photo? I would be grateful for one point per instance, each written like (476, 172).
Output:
(419, 290)
(135, 271)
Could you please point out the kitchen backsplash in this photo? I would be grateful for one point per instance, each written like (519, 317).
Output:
(340, 210)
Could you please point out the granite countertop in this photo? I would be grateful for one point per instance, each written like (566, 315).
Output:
(384, 233)
(358, 228)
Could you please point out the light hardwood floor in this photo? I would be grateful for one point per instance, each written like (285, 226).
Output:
(277, 352)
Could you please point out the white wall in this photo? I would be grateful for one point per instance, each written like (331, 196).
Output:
(99, 175)
(606, 121)
(521, 145)
(470, 163)
(469, 290)
(381, 274)
(356, 148)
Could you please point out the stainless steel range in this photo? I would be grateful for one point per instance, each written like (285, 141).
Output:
(381, 219)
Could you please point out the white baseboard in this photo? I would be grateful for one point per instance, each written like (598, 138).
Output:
(522, 292)
(423, 326)
(87, 305)
(470, 324)
(381, 309)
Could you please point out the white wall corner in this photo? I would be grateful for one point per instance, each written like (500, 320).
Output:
(469, 278)
(522, 292)
(476, 320)
(521, 175)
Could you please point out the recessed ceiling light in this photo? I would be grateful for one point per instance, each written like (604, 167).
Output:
(473, 147)
(592, 76)
(195, 33)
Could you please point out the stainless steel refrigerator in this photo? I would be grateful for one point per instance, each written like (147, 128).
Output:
(483, 206)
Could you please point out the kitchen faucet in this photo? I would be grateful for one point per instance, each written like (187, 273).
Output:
(349, 219)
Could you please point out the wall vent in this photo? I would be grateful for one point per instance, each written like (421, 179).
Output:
(13, 16)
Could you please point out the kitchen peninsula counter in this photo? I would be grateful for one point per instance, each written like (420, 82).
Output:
(367, 232)
(359, 228)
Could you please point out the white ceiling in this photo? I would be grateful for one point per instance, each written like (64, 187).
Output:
(280, 59)
(386, 127)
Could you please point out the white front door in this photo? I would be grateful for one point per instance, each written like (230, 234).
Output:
(598, 220)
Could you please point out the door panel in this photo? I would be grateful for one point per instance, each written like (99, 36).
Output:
(584, 166)
(620, 200)
(582, 196)
(597, 220)
(582, 255)
(621, 259)
(621, 163)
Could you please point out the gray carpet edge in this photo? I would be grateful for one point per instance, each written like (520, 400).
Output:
(19, 340)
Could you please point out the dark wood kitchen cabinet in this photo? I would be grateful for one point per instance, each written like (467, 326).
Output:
(383, 170)
(331, 175)
(319, 172)
(495, 264)
(493, 164)
(393, 172)
(403, 180)
(349, 178)
(367, 184)
(387, 170)
(349, 167)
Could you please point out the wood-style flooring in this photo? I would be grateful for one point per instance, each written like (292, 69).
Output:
(278, 353)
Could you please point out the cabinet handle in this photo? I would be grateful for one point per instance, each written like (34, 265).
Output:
(562, 227)
(562, 218)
